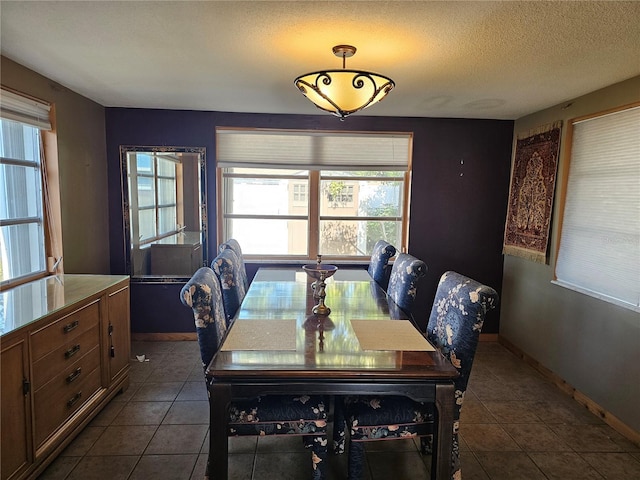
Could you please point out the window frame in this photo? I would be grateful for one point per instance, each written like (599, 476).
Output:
(26, 109)
(313, 191)
(155, 176)
(583, 288)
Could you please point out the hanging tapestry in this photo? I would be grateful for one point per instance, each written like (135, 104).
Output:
(533, 179)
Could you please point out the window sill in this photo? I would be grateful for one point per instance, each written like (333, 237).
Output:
(299, 262)
(599, 296)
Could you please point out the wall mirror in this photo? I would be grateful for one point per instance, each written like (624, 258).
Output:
(164, 211)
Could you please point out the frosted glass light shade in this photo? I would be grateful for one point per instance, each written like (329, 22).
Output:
(343, 92)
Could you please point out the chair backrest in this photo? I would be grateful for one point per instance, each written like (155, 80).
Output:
(202, 294)
(456, 319)
(227, 268)
(379, 268)
(233, 244)
(403, 282)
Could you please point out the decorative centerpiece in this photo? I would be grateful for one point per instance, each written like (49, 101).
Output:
(320, 272)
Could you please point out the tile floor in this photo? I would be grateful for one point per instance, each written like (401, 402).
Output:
(515, 425)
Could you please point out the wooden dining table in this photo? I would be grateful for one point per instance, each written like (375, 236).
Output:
(276, 345)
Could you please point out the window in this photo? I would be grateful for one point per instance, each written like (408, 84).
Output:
(339, 194)
(23, 249)
(298, 194)
(154, 178)
(599, 252)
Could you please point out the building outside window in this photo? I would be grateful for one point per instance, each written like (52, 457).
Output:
(296, 194)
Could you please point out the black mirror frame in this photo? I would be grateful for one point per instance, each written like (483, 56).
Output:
(124, 150)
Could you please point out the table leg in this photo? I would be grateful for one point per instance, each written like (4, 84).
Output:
(219, 400)
(445, 399)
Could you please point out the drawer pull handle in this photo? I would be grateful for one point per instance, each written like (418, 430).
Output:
(72, 351)
(70, 326)
(74, 375)
(74, 399)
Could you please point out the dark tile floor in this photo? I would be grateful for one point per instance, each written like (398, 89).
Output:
(515, 425)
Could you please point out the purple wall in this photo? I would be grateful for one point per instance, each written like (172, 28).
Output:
(460, 184)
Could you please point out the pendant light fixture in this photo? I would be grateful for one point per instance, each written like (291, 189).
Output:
(343, 92)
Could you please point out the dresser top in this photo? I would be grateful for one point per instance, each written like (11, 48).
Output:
(24, 304)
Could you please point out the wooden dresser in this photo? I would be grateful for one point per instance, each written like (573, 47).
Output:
(65, 351)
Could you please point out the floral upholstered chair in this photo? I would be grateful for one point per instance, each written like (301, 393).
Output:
(232, 244)
(401, 293)
(227, 268)
(403, 283)
(454, 327)
(379, 268)
(300, 415)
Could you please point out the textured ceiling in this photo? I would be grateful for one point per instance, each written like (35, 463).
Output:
(448, 59)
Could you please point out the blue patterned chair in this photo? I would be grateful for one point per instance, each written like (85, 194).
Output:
(403, 283)
(301, 415)
(227, 268)
(455, 322)
(401, 293)
(379, 268)
(232, 244)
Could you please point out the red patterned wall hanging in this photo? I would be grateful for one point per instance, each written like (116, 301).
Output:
(533, 179)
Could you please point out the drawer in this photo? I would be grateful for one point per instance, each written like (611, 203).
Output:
(71, 375)
(51, 410)
(62, 358)
(64, 331)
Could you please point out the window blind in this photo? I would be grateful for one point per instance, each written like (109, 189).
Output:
(600, 243)
(312, 150)
(25, 110)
